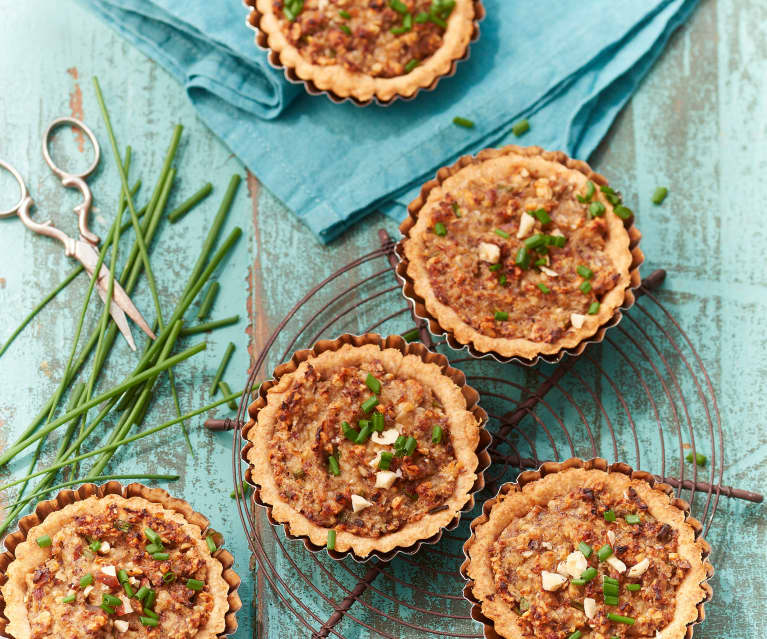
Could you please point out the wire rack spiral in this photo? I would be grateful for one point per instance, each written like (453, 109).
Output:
(579, 407)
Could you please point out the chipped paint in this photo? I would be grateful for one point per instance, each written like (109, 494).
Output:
(76, 107)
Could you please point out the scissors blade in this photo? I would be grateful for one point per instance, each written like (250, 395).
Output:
(118, 315)
(89, 258)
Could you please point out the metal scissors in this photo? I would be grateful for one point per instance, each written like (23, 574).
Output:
(83, 249)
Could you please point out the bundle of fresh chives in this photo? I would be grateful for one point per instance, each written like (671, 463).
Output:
(137, 388)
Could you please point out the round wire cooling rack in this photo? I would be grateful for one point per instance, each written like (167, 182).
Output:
(642, 396)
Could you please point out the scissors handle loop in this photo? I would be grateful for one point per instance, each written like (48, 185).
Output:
(75, 180)
(22, 188)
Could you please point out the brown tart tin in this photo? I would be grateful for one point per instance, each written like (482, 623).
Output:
(417, 302)
(254, 22)
(548, 468)
(154, 495)
(398, 343)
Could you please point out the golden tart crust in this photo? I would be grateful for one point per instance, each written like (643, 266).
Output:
(299, 424)
(369, 27)
(468, 269)
(39, 577)
(533, 528)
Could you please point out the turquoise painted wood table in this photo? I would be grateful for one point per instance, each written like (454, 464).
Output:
(697, 126)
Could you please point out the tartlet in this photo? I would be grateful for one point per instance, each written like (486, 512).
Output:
(84, 564)
(520, 253)
(580, 549)
(367, 49)
(366, 446)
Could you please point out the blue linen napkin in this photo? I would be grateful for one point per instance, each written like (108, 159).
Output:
(568, 67)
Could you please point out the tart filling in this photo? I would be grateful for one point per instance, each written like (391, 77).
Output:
(520, 253)
(587, 554)
(115, 567)
(367, 48)
(368, 445)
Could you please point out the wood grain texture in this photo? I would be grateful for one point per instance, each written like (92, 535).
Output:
(697, 125)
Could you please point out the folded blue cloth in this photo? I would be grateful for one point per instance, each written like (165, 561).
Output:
(567, 66)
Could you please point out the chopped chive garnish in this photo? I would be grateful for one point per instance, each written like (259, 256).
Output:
(594, 308)
(399, 443)
(344, 14)
(399, 30)
(632, 519)
(558, 240)
(142, 593)
(44, 541)
(373, 384)
(543, 287)
(604, 552)
(585, 272)
(596, 209)
(542, 216)
(456, 209)
(440, 229)
(611, 600)
(68, 599)
(195, 584)
(411, 65)
(464, 122)
(385, 461)
(521, 127)
(436, 435)
(606, 579)
(110, 600)
(150, 599)
(610, 589)
(152, 536)
(378, 422)
(502, 279)
(407, 21)
(700, 458)
(148, 621)
(589, 573)
(153, 548)
(86, 580)
(501, 316)
(660, 194)
(589, 193)
(609, 515)
(151, 613)
(160, 556)
(633, 587)
(345, 28)
(331, 539)
(576, 635)
(578, 581)
(364, 432)
(438, 21)
(95, 545)
(534, 241)
(333, 466)
(349, 432)
(610, 194)
(585, 287)
(107, 609)
(585, 549)
(169, 577)
(523, 258)
(211, 544)
(410, 445)
(411, 335)
(620, 619)
(541, 261)
(369, 404)
(623, 212)
(421, 17)
(398, 6)
(495, 267)
(502, 233)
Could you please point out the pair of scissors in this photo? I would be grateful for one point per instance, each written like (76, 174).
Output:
(83, 249)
